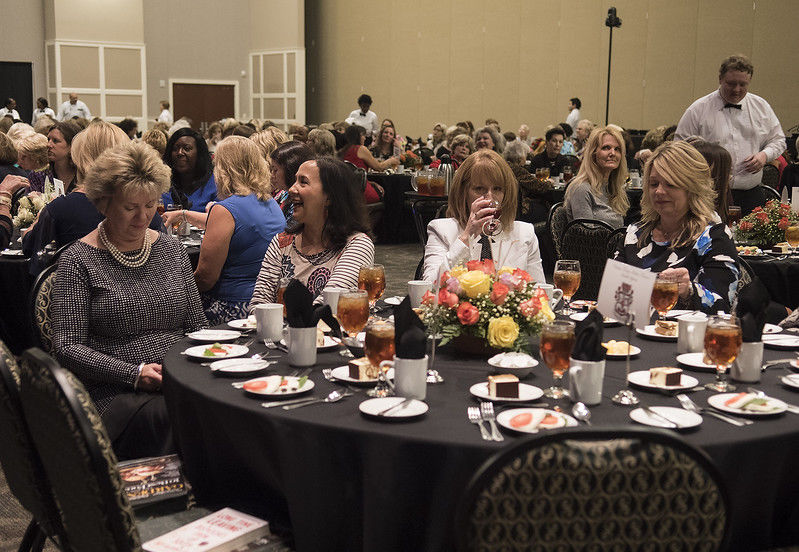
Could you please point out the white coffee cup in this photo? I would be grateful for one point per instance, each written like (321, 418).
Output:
(691, 333)
(410, 377)
(416, 290)
(554, 294)
(301, 343)
(585, 380)
(330, 297)
(748, 363)
(269, 321)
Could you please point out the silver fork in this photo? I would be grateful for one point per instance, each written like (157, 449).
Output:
(473, 413)
(688, 404)
(487, 413)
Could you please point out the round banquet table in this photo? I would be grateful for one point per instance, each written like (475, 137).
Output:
(346, 482)
(779, 276)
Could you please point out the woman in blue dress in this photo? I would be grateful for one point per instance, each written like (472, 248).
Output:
(193, 183)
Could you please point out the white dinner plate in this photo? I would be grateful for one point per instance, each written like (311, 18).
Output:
(641, 378)
(239, 367)
(717, 401)
(781, 341)
(273, 388)
(650, 333)
(212, 336)
(528, 420)
(678, 416)
(328, 345)
(674, 313)
(13, 253)
(695, 360)
(771, 329)
(526, 393)
(396, 300)
(243, 324)
(791, 380)
(580, 316)
(373, 407)
(342, 373)
(231, 350)
(634, 351)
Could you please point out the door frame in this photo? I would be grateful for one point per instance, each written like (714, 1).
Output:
(235, 85)
(34, 96)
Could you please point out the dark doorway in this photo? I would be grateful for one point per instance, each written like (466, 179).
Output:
(16, 81)
(203, 103)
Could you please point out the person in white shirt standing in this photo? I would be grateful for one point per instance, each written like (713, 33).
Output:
(165, 116)
(73, 108)
(364, 117)
(42, 108)
(10, 109)
(742, 123)
(574, 112)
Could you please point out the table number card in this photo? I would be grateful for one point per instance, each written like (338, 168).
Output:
(626, 290)
(794, 199)
(58, 186)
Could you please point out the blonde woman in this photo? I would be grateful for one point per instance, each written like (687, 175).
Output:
(32, 157)
(677, 234)
(239, 228)
(268, 140)
(598, 191)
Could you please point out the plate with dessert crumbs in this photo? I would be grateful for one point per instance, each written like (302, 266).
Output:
(678, 417)
(343, 373)
(394, 301)
(531, 420)
(216, 351)
(277, 386)
(248, 323)
(526, 393)
(649, 332)
(697, 361)
(211, 336)
(643, 378)
(374, 407)
(327, 344)
(582, 304)
(771, 329)
(618, 349)
(791, 380)
(746, 404)
(780, 341)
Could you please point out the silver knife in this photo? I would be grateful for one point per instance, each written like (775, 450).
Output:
(656, 414)
(272, 404)
(390, 408)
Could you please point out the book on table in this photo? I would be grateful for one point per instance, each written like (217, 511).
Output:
(223, 531)
(155, 479)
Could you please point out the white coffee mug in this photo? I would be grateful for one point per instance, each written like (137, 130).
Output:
(747, 365)
(554, 294)
(269, 321)
(410, 377)
(691, 333)
(416, 290)
(330, 297)
(585, 380)
(301, 343)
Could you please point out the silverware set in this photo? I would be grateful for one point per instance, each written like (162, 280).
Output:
(485, 413)
(690, 405)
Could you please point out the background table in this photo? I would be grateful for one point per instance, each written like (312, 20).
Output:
(396, 226)
(349, 483)
(780, 276)
(15, 284)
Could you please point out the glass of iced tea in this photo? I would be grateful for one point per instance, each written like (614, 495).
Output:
(567, 278)
(568, 173)
(792, 237)
(545, 173)
(379, 346)
(665, 293)
(282, 284)
(557, 340)
(733, 215)
(722, 342)
(352, 310)
(372, 279)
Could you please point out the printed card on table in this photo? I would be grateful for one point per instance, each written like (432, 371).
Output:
(626, 290)
(58, 185)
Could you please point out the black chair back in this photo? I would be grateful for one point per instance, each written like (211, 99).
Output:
(39, 305)
(556, 224)
(574, 161)
(616, 241)
(582, 489)
(15, 197)
(769, 192)
(77, 457)
(586, 241)
(771, 176)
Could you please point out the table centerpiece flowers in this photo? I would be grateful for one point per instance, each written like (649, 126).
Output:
(29, 208)
(410, 160)
(500, 307)
(765, 226)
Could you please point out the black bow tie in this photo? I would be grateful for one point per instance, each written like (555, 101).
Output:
(734, 106)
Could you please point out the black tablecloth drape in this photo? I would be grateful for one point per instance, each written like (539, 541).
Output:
(15, 285)
(781, 278)
(396, 226)
(349, 483)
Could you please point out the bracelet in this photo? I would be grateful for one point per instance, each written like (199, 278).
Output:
(183, 214)
(140, 367)
(5, 200)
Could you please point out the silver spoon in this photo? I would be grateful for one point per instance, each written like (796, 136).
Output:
(582, 413)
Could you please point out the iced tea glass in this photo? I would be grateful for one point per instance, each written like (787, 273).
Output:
(557, 341)
(722, 343)
(792, 237)
(567, 278)
(379, 346)
(372, 278)
(665, 294)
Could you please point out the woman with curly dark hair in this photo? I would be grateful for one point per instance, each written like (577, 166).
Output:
(193, 184)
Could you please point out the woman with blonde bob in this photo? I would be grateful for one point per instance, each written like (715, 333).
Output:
(598, 191)
(484, 177)
(32, 157)
(677, 235)
(239, 228)
(123, 296)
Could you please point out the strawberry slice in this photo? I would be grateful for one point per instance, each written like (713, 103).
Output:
(521, 420)
(256, 385)
(549, 419)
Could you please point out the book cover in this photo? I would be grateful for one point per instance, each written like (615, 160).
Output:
(149, 480)
(221, 531)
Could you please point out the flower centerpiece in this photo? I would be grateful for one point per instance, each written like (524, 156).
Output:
(765, 226)
(410, 159)
(499, 307)
(29, 207)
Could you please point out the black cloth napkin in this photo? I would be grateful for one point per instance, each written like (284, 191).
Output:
(588, 338)
(300, 311)
(753, 300)
(410, 339)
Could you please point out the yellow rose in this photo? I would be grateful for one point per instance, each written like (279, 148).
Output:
(474, 283)
(506, 270)
(502, 332)
(546, 310)
(458, 271)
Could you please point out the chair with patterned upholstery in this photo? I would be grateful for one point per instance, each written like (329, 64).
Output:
(586, 241)
(769, 192)
(21, 463)
(595, 489)
(771, 176)
(39, 305)
(556, 224)
(615, 241)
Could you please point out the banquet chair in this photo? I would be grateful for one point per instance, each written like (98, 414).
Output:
(595, 489)
(21, 463)
(586, 241)
(770, 192)
(615, 241)
(574, 161)
(556, 224)
(374, 210)
(15, 197)
(39, 304)
(771, 176)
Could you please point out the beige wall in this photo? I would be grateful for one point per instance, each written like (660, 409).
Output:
(521, 60)
(277, 24)
(96, 20)
(24, 40)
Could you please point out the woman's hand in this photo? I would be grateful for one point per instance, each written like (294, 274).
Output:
(392, 161)
(11, 183)
(480, 214)
(169, 217)
(683, 280)
(150, 377)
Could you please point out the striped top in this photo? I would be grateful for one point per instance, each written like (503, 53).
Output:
(331, 267)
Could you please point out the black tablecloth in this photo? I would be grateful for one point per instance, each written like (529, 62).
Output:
(15, 285)
(780, 278)
(350, 483)
(396, 226)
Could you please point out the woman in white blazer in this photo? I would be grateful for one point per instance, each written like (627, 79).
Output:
(483, 177)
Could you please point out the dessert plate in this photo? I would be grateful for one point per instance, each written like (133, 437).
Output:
(695, 360)
(212, 336)
(641, 379)
(780, 341)
(409, 410)
(226, 350)
(342, 373)
(791, 380)
(530, 420)
(649, 333)
(243, 324)
(582, 304)
(719, 401)
(634, 351)
(526, 393)
(273, 386)
(681, 418)
(396, 300)
(771, 329)
(239, 367)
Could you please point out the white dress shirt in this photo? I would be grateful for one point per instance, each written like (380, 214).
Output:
(39, 112)
(368, 121)
(5, 111)
(573, 118)
(67, 111)
(165, 117)
(517, 248)
(742, 132)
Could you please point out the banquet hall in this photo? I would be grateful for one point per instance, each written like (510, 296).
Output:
(150, 109)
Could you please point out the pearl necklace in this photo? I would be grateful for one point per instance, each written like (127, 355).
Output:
(130, 261)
